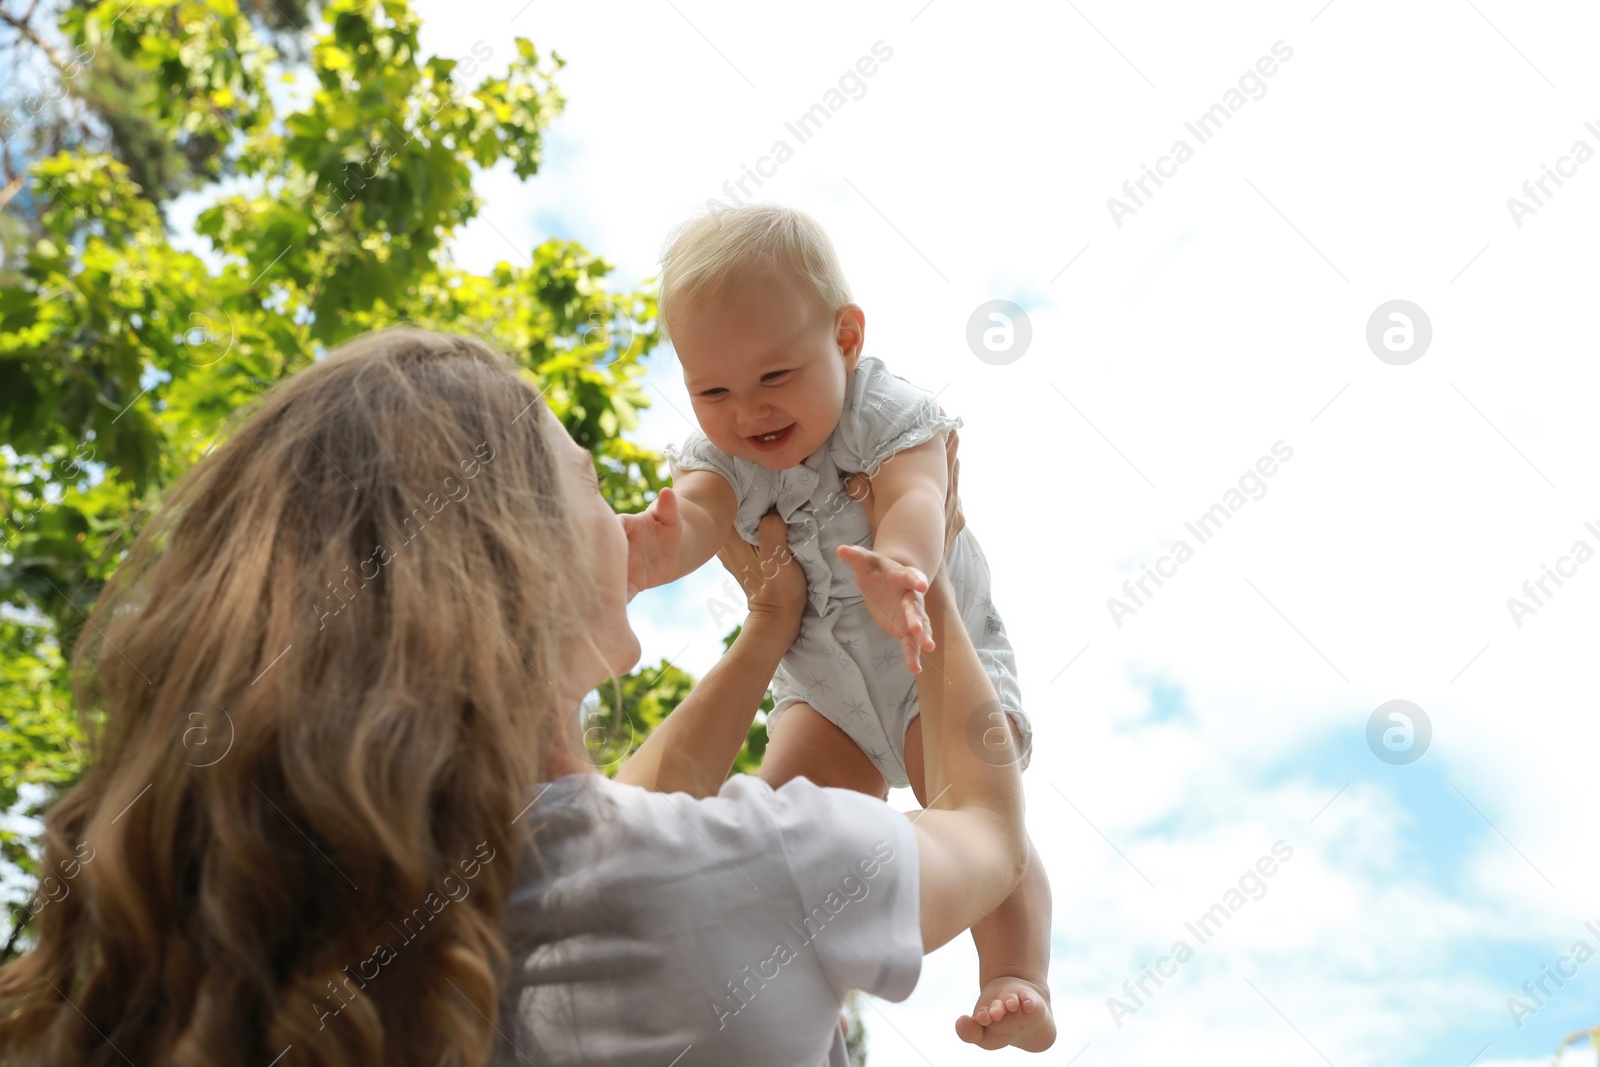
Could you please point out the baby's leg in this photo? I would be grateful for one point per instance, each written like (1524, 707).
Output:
(1013, 943)
(808, 745)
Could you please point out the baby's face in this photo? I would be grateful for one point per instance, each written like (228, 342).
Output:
(765, 364)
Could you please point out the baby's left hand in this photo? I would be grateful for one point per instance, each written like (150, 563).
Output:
(894, 595)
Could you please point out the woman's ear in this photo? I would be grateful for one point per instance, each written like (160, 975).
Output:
(850, 333)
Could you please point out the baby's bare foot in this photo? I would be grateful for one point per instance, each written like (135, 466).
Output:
(1010, 1011)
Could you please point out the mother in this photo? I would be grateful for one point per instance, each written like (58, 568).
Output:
(339, 811)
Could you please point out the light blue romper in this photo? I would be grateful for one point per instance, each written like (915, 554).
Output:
(843, 663)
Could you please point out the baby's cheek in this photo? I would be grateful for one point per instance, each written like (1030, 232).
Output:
(719, 436)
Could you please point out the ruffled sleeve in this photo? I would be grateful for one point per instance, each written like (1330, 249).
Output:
(883, 414)
(697, 453)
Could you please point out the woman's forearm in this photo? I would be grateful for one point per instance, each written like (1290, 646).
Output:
(695, 746)
(972, 845)
(954, 692)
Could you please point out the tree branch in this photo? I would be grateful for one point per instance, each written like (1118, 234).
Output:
(1593, 1035)
(29, 34)
(11, 189)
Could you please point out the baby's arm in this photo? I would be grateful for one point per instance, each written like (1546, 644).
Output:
(680, 530)
(707, 504)
(909, 491)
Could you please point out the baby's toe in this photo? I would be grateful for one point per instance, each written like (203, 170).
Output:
(969, 1029)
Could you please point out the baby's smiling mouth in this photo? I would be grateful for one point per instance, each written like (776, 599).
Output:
(768, 441)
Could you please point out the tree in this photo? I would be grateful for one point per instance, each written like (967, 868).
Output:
(646, 697)
(122, 355)
(1577, 1037)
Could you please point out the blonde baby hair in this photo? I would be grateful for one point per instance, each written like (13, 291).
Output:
(708, 249)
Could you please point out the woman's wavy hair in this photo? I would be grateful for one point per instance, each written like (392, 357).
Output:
(323, 678)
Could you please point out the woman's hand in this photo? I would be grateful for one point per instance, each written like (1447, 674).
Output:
(774, 584)
(694, 747)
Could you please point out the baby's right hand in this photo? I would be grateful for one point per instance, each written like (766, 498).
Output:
(653, 538)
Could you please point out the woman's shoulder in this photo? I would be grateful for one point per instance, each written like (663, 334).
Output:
(674, 915)
(749, 858)
(743, 801)
(785, 830)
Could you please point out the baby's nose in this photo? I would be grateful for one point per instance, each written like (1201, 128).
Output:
(754, 413)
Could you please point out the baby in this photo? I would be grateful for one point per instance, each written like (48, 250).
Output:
(771, 348)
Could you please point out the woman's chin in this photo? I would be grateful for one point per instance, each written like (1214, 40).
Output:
(628, 658)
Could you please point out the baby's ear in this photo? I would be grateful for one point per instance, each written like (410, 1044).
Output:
(850, 333)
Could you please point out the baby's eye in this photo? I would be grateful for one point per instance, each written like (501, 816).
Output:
(772, 376)
(712, 394)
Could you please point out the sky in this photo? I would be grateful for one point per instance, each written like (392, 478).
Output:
(1222, 339)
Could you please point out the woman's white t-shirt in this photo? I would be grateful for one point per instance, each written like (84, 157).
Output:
(662, 930)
